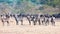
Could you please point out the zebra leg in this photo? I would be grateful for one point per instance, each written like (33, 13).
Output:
(21, 22)
(53, 23)
(39, 22)
(34, 22)
(8, 23)
(42, 22)
(46, 23)
(29, 22)
(17, 22)
(3, 22)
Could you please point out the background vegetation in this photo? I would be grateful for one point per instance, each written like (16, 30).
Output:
(30, 6)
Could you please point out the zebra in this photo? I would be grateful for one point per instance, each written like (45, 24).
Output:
(29, 19)
(43, 20)
(52, 20)
(34, 19)
(47, 21)
(5, 18)
(39, 19)
(18, 18)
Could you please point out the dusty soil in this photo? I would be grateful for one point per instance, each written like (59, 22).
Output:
(29, 29)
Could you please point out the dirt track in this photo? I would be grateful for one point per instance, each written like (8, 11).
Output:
(29, 29)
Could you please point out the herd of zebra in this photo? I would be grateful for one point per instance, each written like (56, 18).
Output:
(41, 19)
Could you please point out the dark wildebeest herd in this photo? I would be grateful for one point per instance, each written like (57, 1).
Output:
(41, 19)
